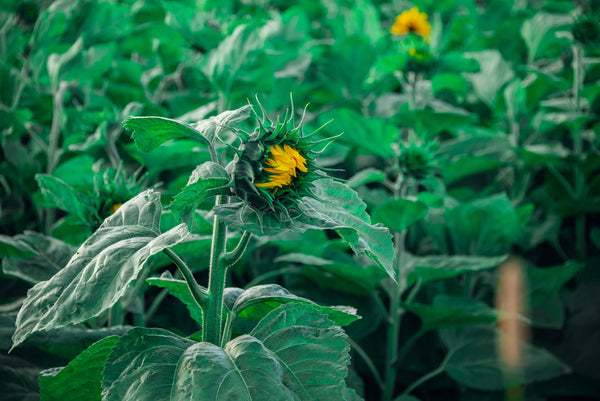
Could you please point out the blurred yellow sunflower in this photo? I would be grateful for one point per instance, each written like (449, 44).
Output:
(412, 21)
(282, 166)
(115, 207)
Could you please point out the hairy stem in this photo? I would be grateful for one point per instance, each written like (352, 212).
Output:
(230, 258)
(216, 282)
(199, 294)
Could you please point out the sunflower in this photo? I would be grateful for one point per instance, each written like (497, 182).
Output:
(284, 163)
(274, 166)
(412, 21)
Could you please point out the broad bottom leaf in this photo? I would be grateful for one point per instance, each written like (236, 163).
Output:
(294, 353)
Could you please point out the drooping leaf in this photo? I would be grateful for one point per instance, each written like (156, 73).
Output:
(475, 361)
(142, 365)
(244, 370)
(180, 290)
(398, 214)
(333, 206)
(434, 267)
(49, 256)
(208, 179)
(338, 207)
(81, 378)
(101, 269)
(257, 301)
(312, 351)
(150, 132)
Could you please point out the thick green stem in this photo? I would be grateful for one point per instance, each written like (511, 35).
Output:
(213, 318)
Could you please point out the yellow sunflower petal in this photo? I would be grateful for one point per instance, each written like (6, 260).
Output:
(412, 21)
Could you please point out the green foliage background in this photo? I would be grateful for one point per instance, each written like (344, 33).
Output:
(497, 130)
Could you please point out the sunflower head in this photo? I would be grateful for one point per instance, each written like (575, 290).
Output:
(412, 21)
(417, 160)
(274, 167)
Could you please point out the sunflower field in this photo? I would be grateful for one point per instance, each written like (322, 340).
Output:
(300, 200)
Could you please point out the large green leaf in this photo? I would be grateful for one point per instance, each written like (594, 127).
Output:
(101, 269)
(257, 301)
(333, 205)
(294, 353)
(150, 132)
(49, 256)
(142, 365)
(244, 370)
(312, 351)
(438, 267)
(81, 378)
(208, 179)
(338, 207)
(398, 214)
(474, 360)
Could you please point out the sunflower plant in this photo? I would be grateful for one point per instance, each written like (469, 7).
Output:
(258, 343)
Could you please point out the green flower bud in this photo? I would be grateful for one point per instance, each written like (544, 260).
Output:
(418, 160)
